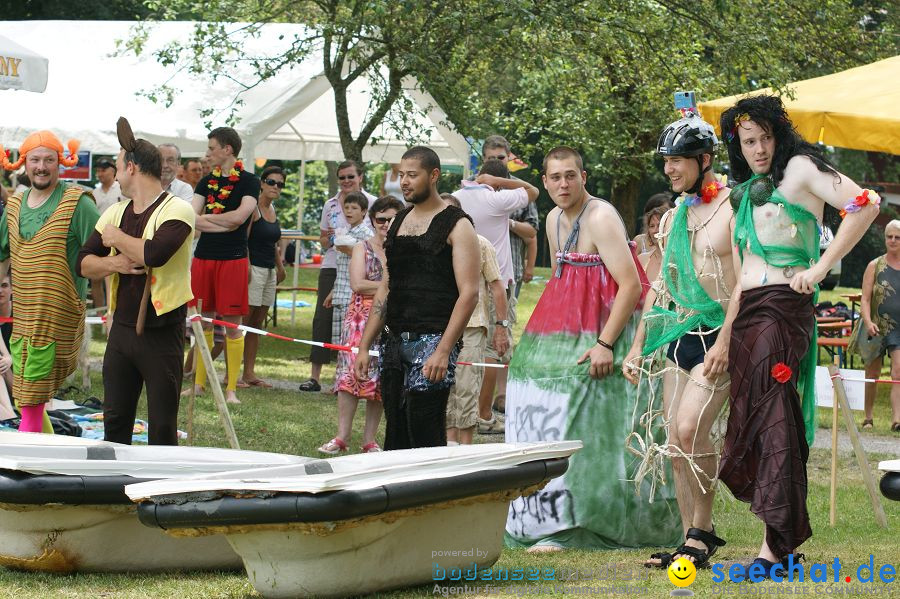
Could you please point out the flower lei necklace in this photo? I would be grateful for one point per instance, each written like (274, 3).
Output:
(213, 204)
(707, 194)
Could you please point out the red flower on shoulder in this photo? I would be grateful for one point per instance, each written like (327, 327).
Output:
(781, 372)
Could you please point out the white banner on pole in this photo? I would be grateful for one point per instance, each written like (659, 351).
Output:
(855, 389)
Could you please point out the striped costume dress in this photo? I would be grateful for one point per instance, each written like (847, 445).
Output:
(49, 324)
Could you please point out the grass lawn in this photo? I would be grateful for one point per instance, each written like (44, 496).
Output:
(293, 422)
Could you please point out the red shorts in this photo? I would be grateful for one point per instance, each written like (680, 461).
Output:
(222, 285)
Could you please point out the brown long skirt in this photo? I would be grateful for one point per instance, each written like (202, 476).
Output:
(765, 453)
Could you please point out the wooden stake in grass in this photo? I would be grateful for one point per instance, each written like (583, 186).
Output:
(213, 379)
(840, 395)
(834, 454)
(193, 394)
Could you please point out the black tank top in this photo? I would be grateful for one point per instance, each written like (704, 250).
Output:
(422, 287)
(263, 237)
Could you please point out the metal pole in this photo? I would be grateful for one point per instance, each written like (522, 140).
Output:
(298, 241)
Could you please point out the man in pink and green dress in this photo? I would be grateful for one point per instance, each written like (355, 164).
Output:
(590, 308)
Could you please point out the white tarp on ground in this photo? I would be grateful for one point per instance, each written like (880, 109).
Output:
(21, 68)
(290, 116)
(57, 454)
(366, 471)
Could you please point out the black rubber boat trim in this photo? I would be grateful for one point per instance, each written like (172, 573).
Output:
(38, 489)
(890, 485)
(343, 505)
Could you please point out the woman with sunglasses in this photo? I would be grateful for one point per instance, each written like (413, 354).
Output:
(366, 268)
(266, 268)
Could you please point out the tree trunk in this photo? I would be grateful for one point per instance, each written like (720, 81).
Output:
(624, 196)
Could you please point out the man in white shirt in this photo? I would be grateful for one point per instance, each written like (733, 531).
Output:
(489, 201)
(350, 179)
(107, 192)
(171, 159)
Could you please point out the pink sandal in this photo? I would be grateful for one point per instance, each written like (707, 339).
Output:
(372, 447)
(333, 447)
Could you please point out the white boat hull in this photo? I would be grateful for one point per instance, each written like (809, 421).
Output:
(353, 561)
(100, 538)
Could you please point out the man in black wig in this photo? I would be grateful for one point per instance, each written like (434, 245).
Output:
(783, 184)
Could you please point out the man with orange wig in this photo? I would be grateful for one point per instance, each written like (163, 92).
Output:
(41, 232)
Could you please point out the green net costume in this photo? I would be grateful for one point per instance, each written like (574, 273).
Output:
(683, 307)
(796, 246)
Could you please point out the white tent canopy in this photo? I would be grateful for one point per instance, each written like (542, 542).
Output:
(291, 116)
(21, 68)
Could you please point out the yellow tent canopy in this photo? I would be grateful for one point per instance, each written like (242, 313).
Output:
(858, 108)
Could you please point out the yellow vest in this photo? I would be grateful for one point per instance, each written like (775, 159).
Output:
(170, 284)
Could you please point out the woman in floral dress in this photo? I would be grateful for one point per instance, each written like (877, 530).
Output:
(366, 267)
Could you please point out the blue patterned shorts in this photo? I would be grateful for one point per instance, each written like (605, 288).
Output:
(411, 355)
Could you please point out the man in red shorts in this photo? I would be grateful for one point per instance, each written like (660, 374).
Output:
(224, 202)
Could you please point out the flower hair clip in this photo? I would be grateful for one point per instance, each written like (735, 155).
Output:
(867, 197)
(737, 123)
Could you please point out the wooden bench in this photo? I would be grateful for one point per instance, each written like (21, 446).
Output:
(835, 346)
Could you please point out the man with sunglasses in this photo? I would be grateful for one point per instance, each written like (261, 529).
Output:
(350, 177)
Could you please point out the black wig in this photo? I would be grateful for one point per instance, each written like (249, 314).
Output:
(768, 112)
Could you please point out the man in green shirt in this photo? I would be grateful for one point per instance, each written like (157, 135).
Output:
(41, 232)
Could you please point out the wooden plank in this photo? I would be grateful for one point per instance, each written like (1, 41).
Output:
(841, 395)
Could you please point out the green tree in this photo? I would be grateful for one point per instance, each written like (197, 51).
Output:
(385, 41)
(594, 74)
(599, 74)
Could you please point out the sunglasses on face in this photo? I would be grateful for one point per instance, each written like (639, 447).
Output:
(345, 177)
(382, 220)
(274, 183)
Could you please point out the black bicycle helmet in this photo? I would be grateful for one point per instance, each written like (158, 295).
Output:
(689, 136)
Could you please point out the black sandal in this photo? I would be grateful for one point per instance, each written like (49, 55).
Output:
(664, 558)
(701, 557)
(310, 385)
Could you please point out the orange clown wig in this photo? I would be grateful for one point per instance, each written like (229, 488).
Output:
(42, 139)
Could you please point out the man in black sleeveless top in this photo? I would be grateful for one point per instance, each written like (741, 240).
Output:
(428, 293)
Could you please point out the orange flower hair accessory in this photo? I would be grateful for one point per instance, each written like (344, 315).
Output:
(42, 139)
(741, 118)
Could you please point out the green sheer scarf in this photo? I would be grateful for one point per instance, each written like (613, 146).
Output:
(684, 305)
(758, 191)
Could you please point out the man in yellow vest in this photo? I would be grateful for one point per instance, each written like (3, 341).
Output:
(41, 232)
(144, 246)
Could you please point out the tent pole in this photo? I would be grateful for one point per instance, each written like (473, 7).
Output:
(299, 241)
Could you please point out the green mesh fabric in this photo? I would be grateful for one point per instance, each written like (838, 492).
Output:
(803, 251)
(683, 305)
(801, 248)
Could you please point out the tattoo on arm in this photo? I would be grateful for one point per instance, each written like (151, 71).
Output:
(380, 308)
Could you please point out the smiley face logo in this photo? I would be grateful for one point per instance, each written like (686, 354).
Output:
(682, 572)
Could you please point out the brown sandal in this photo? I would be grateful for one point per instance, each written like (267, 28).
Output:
(868, 424)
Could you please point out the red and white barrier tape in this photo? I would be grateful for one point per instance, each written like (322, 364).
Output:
(855, 380)
(246, 329)
(344, 348)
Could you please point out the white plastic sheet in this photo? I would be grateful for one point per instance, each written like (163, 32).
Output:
(366, 471)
